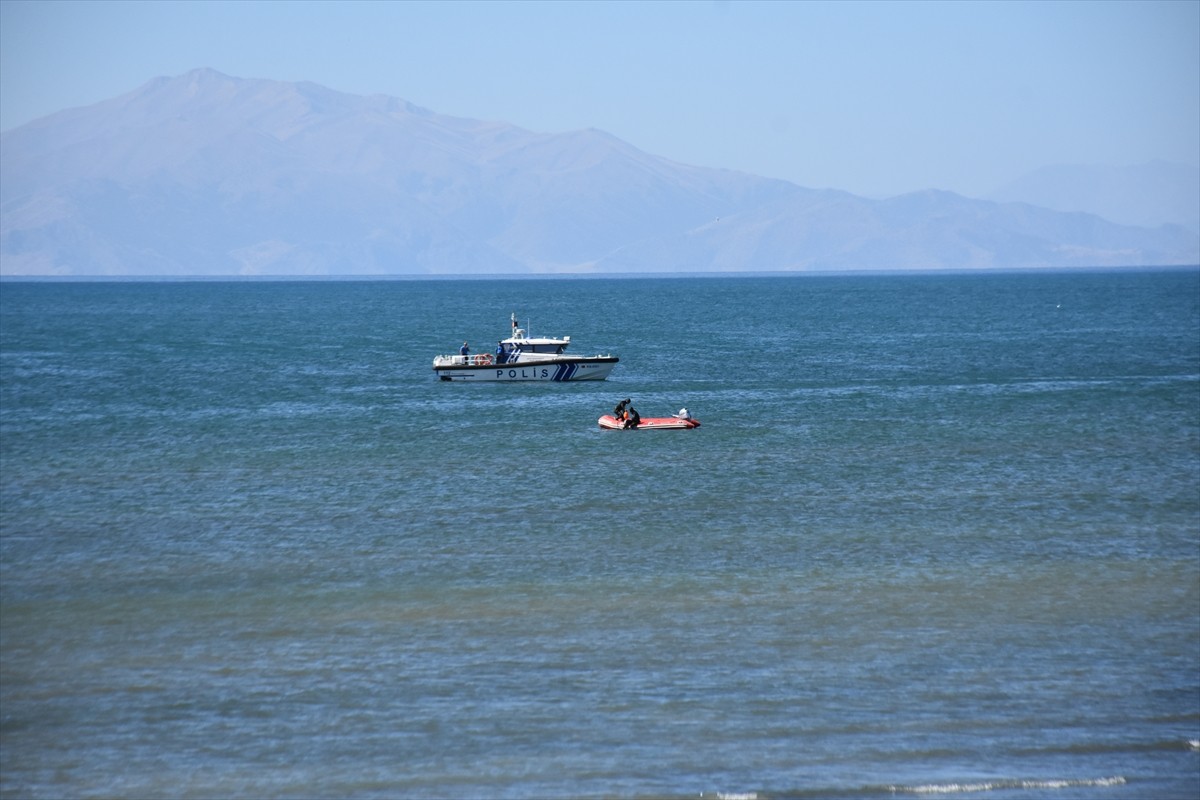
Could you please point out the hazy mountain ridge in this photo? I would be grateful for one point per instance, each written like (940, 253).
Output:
(1145, 195)
(204, 174)
(922, 230)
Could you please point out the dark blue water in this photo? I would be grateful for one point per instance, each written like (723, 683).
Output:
(936, 534)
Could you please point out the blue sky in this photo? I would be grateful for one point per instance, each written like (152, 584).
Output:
(874, 98)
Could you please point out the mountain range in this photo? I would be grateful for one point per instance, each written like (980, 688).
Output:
(1146, 195)
(204, 174)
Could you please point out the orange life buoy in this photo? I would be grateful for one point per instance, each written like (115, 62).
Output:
(483, 359)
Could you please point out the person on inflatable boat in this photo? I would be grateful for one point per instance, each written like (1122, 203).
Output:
(632, 418)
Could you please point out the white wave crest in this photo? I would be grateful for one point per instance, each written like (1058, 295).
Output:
(987, 786)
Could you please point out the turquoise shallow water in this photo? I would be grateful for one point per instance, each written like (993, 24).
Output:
(935, 534)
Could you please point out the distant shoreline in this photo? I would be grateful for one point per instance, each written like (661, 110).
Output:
(845, 273)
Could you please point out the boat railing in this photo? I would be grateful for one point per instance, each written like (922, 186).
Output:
(470, 360)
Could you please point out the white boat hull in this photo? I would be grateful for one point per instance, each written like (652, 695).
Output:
(595, 368)
(522, 357)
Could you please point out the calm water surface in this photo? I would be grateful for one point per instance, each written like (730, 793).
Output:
(936, 534)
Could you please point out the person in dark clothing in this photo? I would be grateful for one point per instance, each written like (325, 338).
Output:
(619, 411)
(464, 350)
(500, 353)
(632, 418)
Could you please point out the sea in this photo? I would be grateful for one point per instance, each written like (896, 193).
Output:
(937, 534)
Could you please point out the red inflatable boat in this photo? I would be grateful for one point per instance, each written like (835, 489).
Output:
(651, 423)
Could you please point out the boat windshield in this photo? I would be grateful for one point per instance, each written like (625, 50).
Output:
(530, 347)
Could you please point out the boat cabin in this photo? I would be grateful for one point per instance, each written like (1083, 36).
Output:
(520, 343)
